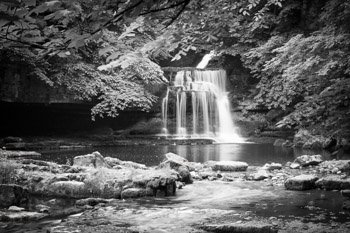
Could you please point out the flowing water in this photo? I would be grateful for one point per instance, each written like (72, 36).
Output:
(201, 96)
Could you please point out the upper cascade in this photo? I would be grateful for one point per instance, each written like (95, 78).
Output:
(202, 108)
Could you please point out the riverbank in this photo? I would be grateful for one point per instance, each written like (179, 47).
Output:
(209, 197)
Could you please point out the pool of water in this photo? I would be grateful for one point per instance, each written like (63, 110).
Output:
(152, 155)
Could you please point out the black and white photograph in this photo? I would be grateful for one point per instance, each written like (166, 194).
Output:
(174, 116)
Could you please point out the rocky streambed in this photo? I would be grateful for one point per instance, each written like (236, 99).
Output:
(103, 194)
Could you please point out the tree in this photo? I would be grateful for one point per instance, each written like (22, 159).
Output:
(75, 38)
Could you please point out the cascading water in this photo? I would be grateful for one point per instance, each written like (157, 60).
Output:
(208, 106)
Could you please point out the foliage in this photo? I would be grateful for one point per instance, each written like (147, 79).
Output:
(308, 72)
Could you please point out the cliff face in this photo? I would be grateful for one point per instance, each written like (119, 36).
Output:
(16, 85)
(29, 106)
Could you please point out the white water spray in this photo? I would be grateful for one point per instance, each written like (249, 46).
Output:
(211, 115)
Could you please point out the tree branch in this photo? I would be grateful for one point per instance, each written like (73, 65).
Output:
(33, 45)
(185, 3)
(164, 8)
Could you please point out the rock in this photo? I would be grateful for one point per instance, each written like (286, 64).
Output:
(16, 209)
(260, 175)
(346, 205)
(294, 165)
(287, 143)
(21, 216)
(247, 227)
(42, 208)
(230, 166)
(11, 194)
(133, 193)
(15, 146)
(333, 182)
(272, 166)
(133, 165)
(95, 160)
(279, 142)
(174, 160)
(301, 182)
(345, 193)
(11, 139)
(185, 175)
(16, 154)
(118, 164)
(90, 201)
(342, 165)
(308, 160)
(75, 189)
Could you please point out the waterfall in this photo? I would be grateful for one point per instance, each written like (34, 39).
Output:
(208, 106)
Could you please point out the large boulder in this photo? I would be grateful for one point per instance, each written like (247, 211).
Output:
(174, 160)
(11, 194)
(301, 182)
(94, 159)
(75, 189)
(308, 160)
(333, 182)
(231, 166)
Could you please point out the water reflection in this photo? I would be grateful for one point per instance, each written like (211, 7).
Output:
(152, 155)
(254, 154)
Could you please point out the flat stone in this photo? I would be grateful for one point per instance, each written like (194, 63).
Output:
(247, 227)
(16, 153)
(21, 216)
(333, 182)
(230, 166)
(301, 182)
(16, 208)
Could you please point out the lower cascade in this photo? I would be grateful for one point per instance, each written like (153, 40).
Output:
(201, 107)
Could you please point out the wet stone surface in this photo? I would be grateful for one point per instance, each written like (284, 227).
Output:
(251, 200)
